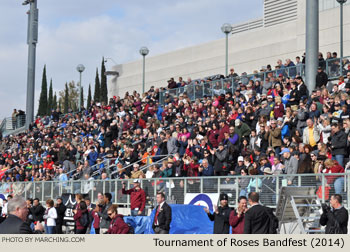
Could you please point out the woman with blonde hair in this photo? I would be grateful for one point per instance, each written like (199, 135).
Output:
(337, 181)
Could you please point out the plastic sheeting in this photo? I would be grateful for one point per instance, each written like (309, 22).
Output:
(186, 219)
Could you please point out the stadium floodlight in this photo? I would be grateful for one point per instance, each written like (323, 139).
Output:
(80, 69)
(226, 28)
(341, 2)
(32, 40)
(143, 51)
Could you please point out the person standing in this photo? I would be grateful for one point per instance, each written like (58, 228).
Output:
(37, 211)
(16, 223)
(335, 217)
(103, 213)
(162, 218)
(221, 216)
(237, 217)
(256, 218)
(50, 217)
(137, 198)
(81, 218)
(61, 210)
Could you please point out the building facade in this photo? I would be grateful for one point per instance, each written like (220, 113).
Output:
(280, 34)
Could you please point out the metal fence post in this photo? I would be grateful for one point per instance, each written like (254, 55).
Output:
(201, 185)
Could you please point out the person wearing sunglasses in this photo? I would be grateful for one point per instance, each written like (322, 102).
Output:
(117, 226)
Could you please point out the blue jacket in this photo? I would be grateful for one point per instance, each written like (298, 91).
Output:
(92, 157)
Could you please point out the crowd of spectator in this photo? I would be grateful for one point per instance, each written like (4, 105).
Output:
(266, 126)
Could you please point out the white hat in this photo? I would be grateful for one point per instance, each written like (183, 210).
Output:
(240, 158)
(136, 181)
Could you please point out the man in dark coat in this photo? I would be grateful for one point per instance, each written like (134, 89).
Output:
(16, 223)
(221, 216)
(37, 211)
(336, 217)
(321, 78)
(338, 144)
(60, 209)
(162, 218)
(256, 218)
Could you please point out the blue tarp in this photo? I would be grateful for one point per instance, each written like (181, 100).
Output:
(186, 219)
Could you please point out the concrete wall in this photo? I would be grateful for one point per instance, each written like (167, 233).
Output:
(248, 51)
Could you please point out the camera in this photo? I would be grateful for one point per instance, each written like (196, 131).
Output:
(325, 208)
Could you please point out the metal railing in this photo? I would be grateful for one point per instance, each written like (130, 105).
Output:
(334, 68)
(12, 123)
(176, 188)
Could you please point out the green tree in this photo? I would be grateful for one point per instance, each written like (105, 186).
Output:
(50, 100)
(97, 94)
(82, 97)
(103, 91)
(69, 97)
(89, 98)
(54, 102)
(66, 99)
(42, 110)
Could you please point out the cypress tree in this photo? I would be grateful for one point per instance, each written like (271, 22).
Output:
(82, 97)
(54, 102)
(42, 110)
(97, 93)
(66, 99)
(104, 91)
(88, 98)
(50, 101)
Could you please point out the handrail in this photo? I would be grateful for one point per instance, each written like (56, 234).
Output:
(298, 69)
(146, 158)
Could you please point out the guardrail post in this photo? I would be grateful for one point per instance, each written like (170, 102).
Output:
(277, 188)
(219, 189)
(201, 185)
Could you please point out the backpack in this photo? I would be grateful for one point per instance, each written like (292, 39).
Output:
(84, 220)
(273, 221)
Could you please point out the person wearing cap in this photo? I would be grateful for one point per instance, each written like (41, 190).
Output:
(290, 165)
(220, 216)
(321, 78)
(137, 198)
(265, 109)
(240, 165)
(242, 129)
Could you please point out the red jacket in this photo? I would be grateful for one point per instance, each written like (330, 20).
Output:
(96, 219)
(137, 198)
(237, 223)
(334, 169)
(77, 217)
(118, 226)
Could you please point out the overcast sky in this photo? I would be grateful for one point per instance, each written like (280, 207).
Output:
(82, 31)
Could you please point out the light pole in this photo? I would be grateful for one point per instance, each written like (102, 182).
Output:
(341, 2)
(80, 69)
(226, 28)
(32, 40)
(143, 51)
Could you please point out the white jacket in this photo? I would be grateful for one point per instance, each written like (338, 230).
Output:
(51, 217)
